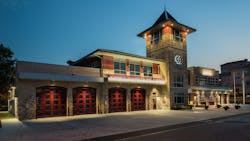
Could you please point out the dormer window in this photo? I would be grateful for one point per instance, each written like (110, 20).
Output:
(177, 35)
(156, 37)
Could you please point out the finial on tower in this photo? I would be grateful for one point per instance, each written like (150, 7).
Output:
(165, 9)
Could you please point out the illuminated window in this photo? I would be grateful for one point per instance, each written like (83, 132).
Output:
(134, 69)
(177, 35)
(147, 70)
(178, 80)
(119, 67)
(156, 37)
(179, 98)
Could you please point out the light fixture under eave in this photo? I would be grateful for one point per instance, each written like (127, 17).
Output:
(163, 25)
(53, 83)
(172, 24)
(145, 36)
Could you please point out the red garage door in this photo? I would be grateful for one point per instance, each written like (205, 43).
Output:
(84, 100)
(51, 101)
(117, 100)
(137, 99)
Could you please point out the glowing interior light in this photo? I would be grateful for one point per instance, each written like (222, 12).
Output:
(207, 72)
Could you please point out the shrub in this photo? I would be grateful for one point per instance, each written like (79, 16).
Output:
(189, 107)
(206, 107)
(237, 106)
(176, 107)
(218, 106)
(226, 108)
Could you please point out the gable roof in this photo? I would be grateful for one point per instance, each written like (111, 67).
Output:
(114, 52)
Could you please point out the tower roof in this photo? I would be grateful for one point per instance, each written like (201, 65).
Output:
(166, 19)
(165, 16)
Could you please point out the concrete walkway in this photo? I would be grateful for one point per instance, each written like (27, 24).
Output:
(88, 126)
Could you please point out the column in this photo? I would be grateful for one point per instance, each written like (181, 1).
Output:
(222, 98)
(128, 100)
(198, 98)
(148, 99)
(218, 98)
(228, 98)
(69, 109)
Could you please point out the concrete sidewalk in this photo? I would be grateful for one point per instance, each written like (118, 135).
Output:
(88, 126)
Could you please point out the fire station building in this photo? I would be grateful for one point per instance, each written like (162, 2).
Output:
(107, 81)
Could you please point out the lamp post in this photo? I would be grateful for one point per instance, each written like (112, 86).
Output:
(243, 87)
(234, 88)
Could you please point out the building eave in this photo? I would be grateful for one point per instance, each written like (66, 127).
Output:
(92, 54)
(169, 23)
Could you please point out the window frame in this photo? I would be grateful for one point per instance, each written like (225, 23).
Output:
(156, 37)
(120, 67)
(148, 71)
(135, 71)
(179, 98)
(178, 81)
(177, 35)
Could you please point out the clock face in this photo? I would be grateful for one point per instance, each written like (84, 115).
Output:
(178, 59)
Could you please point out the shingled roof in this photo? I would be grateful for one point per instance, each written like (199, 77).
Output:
(165, 16)
(167, 19)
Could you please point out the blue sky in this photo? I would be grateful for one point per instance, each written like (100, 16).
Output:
(54, 31)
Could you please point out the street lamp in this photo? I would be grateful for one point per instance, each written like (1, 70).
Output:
(234, 89)
(243, 87)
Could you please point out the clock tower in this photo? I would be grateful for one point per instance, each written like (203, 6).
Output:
(166, 40)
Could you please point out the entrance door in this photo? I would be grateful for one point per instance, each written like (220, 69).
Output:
(117, 100)
(51, 101)
(137, 99)
(84, 100)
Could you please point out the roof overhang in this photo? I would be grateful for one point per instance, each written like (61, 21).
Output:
(136, 81)
(211, 88)
(58, 77)
(169, 23)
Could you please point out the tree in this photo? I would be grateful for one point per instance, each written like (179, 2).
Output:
(7, 69)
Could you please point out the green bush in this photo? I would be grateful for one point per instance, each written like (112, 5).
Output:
(237, 106)
(226, 108)
(206, 107)
(189, 107)
(176, 107)
(218, 106)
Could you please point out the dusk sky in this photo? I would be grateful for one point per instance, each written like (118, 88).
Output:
(54, 31)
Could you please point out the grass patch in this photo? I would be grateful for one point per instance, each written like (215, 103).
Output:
(5, 115)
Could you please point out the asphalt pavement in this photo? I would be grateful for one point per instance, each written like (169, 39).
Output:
(99, 126)
(235, 128)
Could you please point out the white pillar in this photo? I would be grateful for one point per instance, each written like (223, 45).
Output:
(128, 101)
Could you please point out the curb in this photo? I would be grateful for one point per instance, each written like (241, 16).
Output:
(120, 136)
